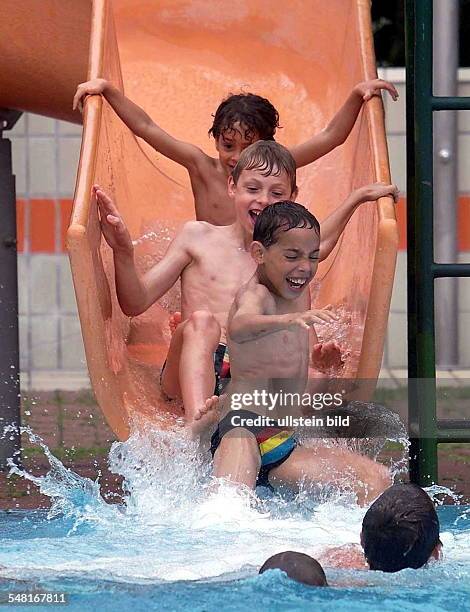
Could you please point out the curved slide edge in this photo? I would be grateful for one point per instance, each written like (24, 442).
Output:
(41, 77)
(383, 272)
(84, 240)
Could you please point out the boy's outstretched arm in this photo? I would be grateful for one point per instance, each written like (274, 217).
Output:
(251, 319)
(137, 292)
(333, 226)
(342, 123)
(140, 123)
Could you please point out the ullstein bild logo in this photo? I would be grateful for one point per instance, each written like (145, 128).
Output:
(290, 421)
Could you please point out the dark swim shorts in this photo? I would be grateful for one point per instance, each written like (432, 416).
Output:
(275, 443)
(221, 369)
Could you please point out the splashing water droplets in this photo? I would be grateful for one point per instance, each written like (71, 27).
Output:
(177, 522)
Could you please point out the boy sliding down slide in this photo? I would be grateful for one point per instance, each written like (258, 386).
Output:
(239, 121)
(268, 341)
(213, 262)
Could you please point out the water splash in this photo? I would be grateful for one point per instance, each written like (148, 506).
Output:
(346, 330)
(73, 496)
(162, 470)
(439, 493)
(177, 522)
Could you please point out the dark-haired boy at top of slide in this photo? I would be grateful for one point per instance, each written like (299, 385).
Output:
(239, 121)
(400, 530)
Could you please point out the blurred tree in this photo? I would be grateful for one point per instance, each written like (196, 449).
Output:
(389, 32)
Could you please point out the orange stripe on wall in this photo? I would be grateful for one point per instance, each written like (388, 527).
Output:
(42, 238)
(42, 224)
(463, 223)
(66, 213)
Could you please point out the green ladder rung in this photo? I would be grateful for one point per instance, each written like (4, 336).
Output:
(442, 103)
(440, 270)
(453, 430)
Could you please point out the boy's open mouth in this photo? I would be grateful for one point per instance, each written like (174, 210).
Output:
(254, 215)
(296, 283)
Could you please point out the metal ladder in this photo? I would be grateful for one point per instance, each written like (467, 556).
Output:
(426, 431)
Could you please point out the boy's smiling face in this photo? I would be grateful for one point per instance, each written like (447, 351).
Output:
(288, 265)
(230, 143)
(253, 192)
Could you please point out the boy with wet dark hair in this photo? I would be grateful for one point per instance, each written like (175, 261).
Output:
(400, 530)
(298, 566)
(268, 341)
(282, 216)
(256, 114)
(239, 121)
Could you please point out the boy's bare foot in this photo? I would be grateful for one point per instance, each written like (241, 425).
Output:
(174, 320)
(206, 416)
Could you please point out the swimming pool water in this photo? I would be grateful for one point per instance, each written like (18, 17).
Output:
(178, 544)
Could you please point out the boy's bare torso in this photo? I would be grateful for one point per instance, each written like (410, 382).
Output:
(219, 266)
(278, 361)
(209, 186)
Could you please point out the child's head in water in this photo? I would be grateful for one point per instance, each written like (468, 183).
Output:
(286, 246)
(400, 530)
(240, 120)
(298, 566)
(264, 174)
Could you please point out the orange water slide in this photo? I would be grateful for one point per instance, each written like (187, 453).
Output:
(178, 59)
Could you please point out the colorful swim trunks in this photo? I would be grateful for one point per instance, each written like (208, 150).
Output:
(221, 369)
(275, 443)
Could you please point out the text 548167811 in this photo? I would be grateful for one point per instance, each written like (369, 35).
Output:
(36, 598)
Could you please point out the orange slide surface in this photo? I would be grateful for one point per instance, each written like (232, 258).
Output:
(178, 59)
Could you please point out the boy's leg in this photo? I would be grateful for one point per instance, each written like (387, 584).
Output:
(169, 378)
(189, 370)
(237, 458)
(324, 465)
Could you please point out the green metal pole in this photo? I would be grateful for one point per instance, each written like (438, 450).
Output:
(421, 347)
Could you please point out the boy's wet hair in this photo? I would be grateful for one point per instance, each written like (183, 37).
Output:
(256, 116)
(269, 158)
(298, 566)
(400, 529)
(282, 216)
